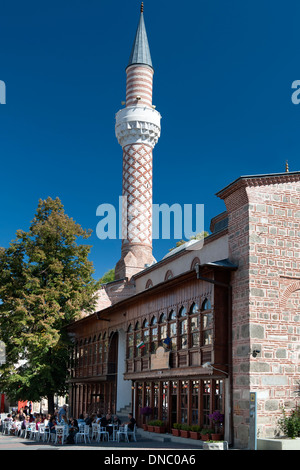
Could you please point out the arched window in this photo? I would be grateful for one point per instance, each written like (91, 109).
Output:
(162, 329)
(90, 352)
(77, 354)
(183, 329)
(130, 336)
(80, 354)
(95, 350)
(137, 339)
(145, 338)
(86, 350)
(195, 325)
(172, 329)
(149, 284)
(154, 335)
(207, 323)
(105, 347)
(194, 262)
(168, 275)
(100, 349)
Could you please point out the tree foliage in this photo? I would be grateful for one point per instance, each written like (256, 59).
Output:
(109, 276)
(45, 283)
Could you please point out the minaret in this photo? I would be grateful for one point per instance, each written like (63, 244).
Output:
(137, 130)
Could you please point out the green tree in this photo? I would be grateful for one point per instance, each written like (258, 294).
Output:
(45, 283)
(109, 276)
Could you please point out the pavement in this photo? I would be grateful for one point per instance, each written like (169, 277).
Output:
(144, 442)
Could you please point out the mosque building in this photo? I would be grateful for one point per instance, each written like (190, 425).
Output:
(212, 323)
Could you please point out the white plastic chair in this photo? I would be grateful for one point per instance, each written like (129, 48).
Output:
(132, 433)
(83, 433)
(124, 431)
(22, 432)
(33, 431)
(103, 432)
(28, 430)
(95, 431)
(60, 434)
(46, 434)
(41, 432)
(7, 427)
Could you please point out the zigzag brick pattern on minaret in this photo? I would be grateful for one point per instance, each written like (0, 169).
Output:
(137, 187)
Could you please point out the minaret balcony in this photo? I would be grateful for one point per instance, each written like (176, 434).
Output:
(137, 124)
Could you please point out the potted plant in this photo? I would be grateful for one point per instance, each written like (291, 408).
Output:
(205, 434)
(176, 429)
(159, 426)
(195, 432)
(146, 411)
(217, 419)
(185, 430)
(151, 426)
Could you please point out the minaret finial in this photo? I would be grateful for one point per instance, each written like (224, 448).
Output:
(287, 166)
(142, 7)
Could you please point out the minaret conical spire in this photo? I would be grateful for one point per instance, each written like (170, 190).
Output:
(140, 53)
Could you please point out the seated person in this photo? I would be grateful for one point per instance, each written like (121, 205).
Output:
(131, 422)
(116, 421)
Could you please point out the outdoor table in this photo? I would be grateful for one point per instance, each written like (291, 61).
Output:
(114, 431)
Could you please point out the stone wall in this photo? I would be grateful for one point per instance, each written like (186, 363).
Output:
(264, 234)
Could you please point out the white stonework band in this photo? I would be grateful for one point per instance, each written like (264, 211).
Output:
(136, 124)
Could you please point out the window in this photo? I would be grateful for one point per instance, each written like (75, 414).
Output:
(165, 403)
(174, 386)
(162, 329)
(130, 342)
(85, 360)
(184, 401)
(207, 323)
(100, 348)
(149, 284)
(154, 336)
(145, 338)
(172, 329)
(168, 275)
(194, 262)
(183, 329)
(195, 401)
(206, 402)
(195, 326)
(105, 347)
(95, 350)
(148, 394)
(137, 339)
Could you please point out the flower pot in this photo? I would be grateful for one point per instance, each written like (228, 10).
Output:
(217, 437)
(159, 429)
(175, 432)
(184, 433)
(194, 435)
(150, 428)
(145, 427)
(204, 437)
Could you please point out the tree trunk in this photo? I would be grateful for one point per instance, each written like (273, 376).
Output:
(50, 398)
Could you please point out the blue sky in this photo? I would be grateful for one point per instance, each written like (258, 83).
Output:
(222, 83)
